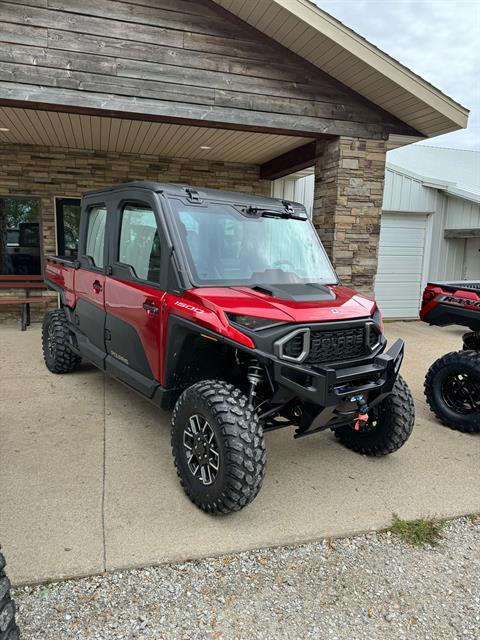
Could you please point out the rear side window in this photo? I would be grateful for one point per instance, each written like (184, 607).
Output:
(140, 242)
(97, 218)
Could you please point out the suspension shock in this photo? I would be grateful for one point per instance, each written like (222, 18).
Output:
(255, 376)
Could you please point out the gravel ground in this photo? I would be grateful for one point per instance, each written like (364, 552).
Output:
(368, 587)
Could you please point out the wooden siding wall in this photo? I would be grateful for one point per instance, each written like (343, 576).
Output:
(171, 60)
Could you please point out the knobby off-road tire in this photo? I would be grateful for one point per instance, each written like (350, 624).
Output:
(58, 356)
(389, 427)
(452, 389)
(236, 447)
(8, 627)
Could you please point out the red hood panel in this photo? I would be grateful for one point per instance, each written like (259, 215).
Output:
(348, 304)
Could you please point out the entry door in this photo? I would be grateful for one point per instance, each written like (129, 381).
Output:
(398, 285)
(90, 286)
(134, 296)
(472, 259)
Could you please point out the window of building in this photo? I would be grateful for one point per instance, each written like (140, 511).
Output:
(97, 218)
(140, 242)
(20, 247)
(67, 213)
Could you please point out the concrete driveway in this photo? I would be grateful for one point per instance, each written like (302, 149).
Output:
(87, 483)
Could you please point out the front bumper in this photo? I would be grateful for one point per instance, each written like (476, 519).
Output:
(330, 386)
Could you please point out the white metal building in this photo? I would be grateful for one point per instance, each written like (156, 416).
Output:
(430, 222)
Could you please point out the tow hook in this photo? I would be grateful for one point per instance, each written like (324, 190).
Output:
(362, 417)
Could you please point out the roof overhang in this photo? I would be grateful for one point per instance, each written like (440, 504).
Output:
(322, 40)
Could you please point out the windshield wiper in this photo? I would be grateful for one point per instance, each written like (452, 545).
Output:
(274, 213)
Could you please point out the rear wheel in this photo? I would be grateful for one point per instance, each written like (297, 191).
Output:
(389, 425)
(57, 353)
(8, 627)
(218, 447)
(452, 389)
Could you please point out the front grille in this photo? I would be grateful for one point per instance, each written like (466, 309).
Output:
(334, 345)
(340, 344)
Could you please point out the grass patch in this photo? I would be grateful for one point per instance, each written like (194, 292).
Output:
(419, 532)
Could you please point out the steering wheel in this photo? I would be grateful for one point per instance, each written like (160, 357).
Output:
(285, 262)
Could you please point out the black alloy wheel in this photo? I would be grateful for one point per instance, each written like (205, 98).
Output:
(461, 392)
(452, 390)
(201, 449)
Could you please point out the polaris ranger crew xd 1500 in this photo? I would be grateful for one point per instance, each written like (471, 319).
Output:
(225, 308)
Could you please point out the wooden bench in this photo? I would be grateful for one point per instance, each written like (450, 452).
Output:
(28, 284)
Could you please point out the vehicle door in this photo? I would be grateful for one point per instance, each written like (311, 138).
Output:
(135, 291)
(90, 283)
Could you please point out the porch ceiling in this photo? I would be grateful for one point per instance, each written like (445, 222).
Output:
(79, 131)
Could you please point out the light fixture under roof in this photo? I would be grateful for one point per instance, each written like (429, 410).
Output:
(4, 129)
(205, 147)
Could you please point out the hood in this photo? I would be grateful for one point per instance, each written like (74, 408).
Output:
(331, 303)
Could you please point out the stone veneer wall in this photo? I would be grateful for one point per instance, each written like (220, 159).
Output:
(46, 172)
(349, 176)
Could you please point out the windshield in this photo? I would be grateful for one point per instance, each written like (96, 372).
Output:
(223, 246)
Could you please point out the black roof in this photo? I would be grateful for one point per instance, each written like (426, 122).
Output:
(204, 194)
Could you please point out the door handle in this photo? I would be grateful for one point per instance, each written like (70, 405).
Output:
(97, 287)
(150, 308)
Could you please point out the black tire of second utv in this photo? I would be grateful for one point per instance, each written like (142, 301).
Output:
(65, 360)
(467, 361)
(10, 631)
(240, 440)
(395, 424)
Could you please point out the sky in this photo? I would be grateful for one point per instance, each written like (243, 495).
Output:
(438, 39)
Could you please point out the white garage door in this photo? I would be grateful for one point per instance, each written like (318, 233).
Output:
(398, 285)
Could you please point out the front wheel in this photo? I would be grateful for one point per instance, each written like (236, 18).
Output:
(389, 425)
(218, 447)
(452, 389)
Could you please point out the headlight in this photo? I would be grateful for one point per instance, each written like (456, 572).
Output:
(253, 323)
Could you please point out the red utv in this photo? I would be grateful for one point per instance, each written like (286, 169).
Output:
(452, 384)
(225, 308)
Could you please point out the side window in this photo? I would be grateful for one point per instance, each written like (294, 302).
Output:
(140, 242)
(67, 214)
(97, 217)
